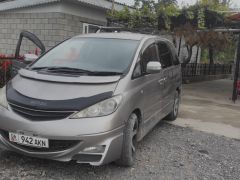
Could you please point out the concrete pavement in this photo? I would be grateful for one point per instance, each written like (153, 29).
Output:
(207, 107)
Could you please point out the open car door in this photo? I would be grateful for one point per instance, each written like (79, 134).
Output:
(19, 61)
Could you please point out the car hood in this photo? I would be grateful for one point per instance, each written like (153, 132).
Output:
(52, 92)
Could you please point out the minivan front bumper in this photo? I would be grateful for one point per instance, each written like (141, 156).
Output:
(97, 148)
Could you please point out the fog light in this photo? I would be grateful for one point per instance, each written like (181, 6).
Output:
(95, 149)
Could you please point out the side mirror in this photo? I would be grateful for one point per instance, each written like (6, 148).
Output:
(153, 67)
(30, 57)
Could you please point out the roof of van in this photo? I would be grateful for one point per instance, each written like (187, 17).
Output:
(121, 35)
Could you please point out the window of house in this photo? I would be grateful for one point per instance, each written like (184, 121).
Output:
(165, 55)
(90, 28)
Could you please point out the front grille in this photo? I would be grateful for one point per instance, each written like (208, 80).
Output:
(54, 145)
(39, 115)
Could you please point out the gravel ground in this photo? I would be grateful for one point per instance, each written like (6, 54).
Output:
(168, 152)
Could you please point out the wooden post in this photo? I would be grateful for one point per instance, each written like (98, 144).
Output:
(236, 75)
(197, 54)
(179, 46)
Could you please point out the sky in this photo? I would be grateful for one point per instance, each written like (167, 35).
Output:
(235, 3)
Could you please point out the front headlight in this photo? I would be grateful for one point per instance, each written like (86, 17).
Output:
(102, 108)
(3, 98)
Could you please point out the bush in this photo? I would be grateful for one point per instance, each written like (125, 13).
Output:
(5, 70)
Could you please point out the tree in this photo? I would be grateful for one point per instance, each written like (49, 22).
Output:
(212, 18)
(167, 2)
(203, 15)
(143, 16)
(141, 3)
(185, 22)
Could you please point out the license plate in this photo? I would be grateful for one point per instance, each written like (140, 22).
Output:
(28, 140)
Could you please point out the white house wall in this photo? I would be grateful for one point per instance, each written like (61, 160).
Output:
(84, 11)
(52, 23)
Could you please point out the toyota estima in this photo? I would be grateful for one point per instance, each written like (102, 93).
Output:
(91, 98)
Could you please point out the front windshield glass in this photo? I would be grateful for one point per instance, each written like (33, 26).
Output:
(91, 54)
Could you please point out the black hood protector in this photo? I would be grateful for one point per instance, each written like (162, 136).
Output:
(16, 98)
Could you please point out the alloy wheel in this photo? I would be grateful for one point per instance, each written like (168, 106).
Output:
(134, 133)
(176, 105)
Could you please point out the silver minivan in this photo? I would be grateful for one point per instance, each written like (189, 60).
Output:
(91, 98)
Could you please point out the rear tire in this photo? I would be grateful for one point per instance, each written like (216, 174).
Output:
(174, 114)
(129, 142)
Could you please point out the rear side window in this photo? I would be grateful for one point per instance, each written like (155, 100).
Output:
(165, 55)
(149, 54)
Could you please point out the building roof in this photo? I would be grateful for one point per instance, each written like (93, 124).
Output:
(9, 5)
(17, 4)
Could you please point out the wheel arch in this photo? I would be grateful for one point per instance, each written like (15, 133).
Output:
(138, 112)
(179, 90)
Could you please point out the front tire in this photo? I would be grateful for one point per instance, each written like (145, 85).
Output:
(129, 142)
(174, 114)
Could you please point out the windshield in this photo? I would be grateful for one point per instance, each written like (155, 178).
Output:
(90, 54)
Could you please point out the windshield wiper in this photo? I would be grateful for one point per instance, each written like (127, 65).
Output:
(104, 73)
(77, 71)
(62, 70)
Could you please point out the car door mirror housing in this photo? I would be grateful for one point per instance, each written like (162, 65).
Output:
(153, 67)
(30, 57)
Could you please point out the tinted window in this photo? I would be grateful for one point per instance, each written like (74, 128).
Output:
(93, 54)
(150, 54)
(165, 55)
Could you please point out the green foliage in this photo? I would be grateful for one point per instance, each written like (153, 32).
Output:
(201, 18)
(150, 4)
(165, 14)
(145, 14)
(224, 56)
(168, 10)
(215, 5)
